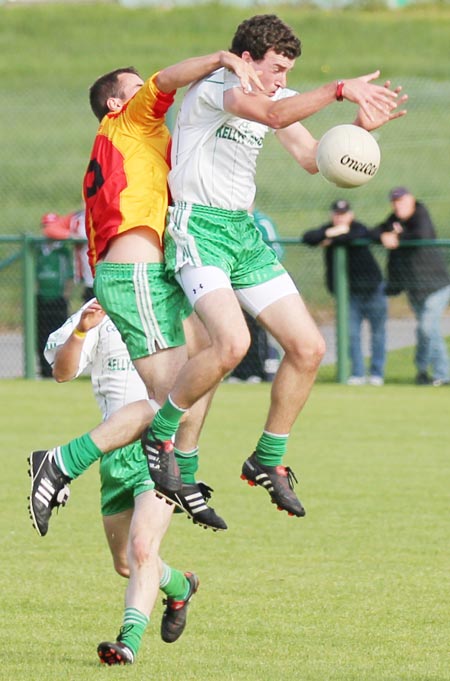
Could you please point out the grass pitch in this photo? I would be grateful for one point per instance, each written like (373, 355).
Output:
(356, 591)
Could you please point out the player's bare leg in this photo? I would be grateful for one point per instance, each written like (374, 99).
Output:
(229, 341)
(290, 323)
(158, 372)
(193, 496)
(117, 527)
(149, 523)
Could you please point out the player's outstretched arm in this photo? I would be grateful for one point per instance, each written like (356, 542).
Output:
(284, 112)
(190, 70)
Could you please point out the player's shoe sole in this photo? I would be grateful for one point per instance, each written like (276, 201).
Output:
(114, 653)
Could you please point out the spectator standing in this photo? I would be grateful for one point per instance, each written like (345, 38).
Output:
(367, 291)
(72, 226)
(422, 273)
(54, 276)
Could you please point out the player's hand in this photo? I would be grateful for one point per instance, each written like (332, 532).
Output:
(91, 317)
(379, 118)
(244, 71)
(370, 97)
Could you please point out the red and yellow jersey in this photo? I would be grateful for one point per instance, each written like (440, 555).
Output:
(125, 185)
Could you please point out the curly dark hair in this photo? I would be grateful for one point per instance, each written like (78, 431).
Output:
(263, 32)
(105, 87)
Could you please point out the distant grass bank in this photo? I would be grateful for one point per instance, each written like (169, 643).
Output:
(56, 51)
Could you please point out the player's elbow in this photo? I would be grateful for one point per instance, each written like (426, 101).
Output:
(278, 116)
(276, 120)
(166, 81)
(61, 377)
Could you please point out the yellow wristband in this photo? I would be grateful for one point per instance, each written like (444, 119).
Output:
(79, 334)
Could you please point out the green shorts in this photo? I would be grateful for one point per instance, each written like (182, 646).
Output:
(123, 475)
(145, 306)
(202, 236)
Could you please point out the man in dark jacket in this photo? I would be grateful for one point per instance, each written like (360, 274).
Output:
(367, 296)
(422, 273)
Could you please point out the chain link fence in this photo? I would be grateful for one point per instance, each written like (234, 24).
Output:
(43, 163)
(18, 329)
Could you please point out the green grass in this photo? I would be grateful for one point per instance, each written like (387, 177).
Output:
(356, 591)
(56, 51)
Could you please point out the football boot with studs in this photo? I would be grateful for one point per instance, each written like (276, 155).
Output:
(193, 500)
(174, 617)
(49, 489)
(162, 464)
(115, 653)
(278, 481)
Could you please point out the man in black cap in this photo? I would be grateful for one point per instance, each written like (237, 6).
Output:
(367, 296)
(422, 273)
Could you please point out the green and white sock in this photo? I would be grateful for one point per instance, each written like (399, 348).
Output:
(271, 448)
(76, 456)
(133, 627)
(174, 584)
(188, 464)
(167, 419)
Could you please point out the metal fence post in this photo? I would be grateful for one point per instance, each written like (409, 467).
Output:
(342, 311)
(29, 306)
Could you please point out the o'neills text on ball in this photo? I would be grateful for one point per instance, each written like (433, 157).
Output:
(358, 166)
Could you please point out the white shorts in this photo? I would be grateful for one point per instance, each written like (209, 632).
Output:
(197, 281)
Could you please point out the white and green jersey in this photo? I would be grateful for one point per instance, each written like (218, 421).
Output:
(114, 379)
(213, 152)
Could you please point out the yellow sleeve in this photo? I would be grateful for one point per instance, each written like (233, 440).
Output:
(149, 105)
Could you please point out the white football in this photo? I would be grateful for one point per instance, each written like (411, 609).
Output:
(348, 156)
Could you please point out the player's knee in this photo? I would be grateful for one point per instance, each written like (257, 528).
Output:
(143, 551)
(321, 348)
(233, 351)
(308, 355)
(121, 567)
